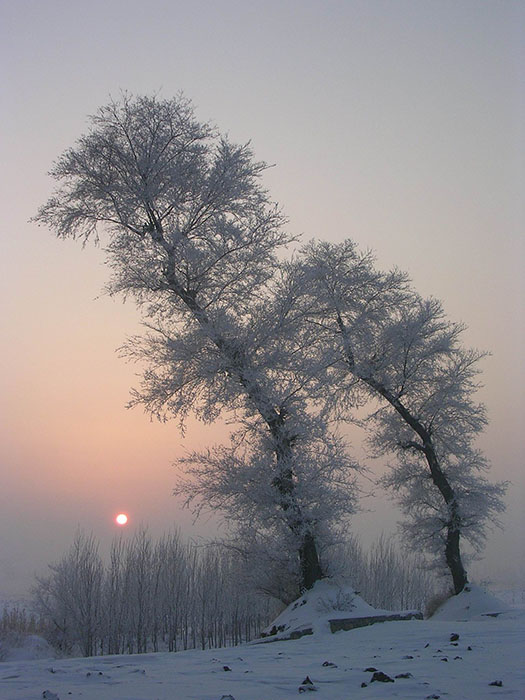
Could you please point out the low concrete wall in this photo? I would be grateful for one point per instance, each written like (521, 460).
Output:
(352, 623)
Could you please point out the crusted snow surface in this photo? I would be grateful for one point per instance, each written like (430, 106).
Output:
(473, 603)
(424, 658)
(461, 653)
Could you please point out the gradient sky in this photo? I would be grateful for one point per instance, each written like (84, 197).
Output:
(398, 124)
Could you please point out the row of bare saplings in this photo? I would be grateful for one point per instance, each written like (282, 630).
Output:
(149, 596)
(170, 595)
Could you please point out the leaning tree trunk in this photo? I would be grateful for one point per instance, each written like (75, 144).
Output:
(452, 545)
(275, 419)
(426, 447)
(310, 566)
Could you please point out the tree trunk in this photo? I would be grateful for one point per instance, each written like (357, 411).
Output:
(275, 419)
(310, 567)
(453, 558)
(426, 446)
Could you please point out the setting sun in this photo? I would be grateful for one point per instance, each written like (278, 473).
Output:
(121, 519)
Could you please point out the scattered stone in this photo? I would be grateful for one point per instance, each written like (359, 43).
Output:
(404, 675)
(458, 657)
(307, 685)
(444, 658)
(226, 668)
(407, 656)
(329, 663)
(364, 685)
(469, 648)
(454, 637)
(498, 684)
(227, 697)
(427, 645)
(48, 695)
(433, 697)
(381, 677)
(370, 669)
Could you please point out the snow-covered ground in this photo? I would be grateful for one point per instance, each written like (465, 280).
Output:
(423, 658)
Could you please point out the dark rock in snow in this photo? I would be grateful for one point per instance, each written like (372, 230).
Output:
(381, 677)
(364, 685)
(454, 637)
(498, 684)
(48, 695)
(227, 697)
(444, 659)
(404, 675)
(370, 669)
(307, 685)
(226, 668)
(433, 697)
(469, 648)
(329, 663)
(407, 656)
(427, 645)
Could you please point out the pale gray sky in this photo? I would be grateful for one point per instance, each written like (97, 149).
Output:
(396, 123)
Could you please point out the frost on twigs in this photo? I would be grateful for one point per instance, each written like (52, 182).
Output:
(397, 355)
(192, 236)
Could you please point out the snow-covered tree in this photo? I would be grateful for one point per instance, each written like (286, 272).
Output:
(228, 479)
(192, 236)
(70, 596)
(384, 342)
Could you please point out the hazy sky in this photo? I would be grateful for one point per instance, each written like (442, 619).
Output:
(398, 124)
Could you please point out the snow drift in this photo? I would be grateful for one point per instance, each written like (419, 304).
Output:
(317, 609)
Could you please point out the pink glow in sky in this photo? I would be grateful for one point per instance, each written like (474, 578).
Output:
(399, 124)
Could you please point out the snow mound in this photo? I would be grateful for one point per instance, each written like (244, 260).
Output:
(473, 603)
(32, 648)
(310, 614)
